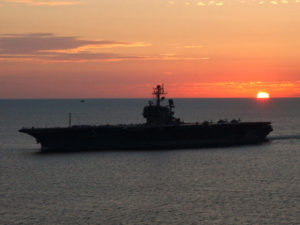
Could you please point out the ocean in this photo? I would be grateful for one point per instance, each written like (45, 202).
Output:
(257, 184)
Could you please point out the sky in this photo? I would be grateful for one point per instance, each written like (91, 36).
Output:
(123, 48)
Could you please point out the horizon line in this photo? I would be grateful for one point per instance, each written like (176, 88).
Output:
(120, 98)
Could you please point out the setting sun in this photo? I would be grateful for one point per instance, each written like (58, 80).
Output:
(262, 95)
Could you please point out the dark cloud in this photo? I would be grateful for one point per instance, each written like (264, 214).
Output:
(86, 56)
(37, 42)
(48, 47)
(45, 2)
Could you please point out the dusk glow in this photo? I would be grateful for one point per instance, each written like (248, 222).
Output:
(117, 49)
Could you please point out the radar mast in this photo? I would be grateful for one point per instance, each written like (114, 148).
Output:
(159, 91)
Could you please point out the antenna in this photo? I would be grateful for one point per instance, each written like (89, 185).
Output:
(157, 92)
(70, 119)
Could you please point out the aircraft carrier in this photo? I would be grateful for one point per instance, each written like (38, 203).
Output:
(160, 131)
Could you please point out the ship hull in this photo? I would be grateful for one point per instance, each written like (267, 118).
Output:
(139, 137)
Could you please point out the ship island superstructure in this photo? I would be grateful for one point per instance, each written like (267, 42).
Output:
(160, 131)
(155, 113)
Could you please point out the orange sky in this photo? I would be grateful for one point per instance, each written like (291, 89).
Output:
(121, 48)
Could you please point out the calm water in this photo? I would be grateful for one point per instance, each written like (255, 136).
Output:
(241, 185)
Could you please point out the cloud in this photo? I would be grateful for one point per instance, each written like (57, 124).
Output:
(247, 85)
(171, 2)
(230, 89)
(63, 58)
(49, 47)
(163, 57)
(242, 89)
(45, 2)
(193, 46)
(208, 3)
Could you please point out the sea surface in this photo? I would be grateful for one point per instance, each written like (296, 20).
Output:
(258, 184)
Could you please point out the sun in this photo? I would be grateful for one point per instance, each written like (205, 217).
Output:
(263, 94)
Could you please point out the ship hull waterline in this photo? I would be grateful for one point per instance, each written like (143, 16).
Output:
(145, 137)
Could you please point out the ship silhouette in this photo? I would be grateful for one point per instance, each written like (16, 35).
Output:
(160, 131)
